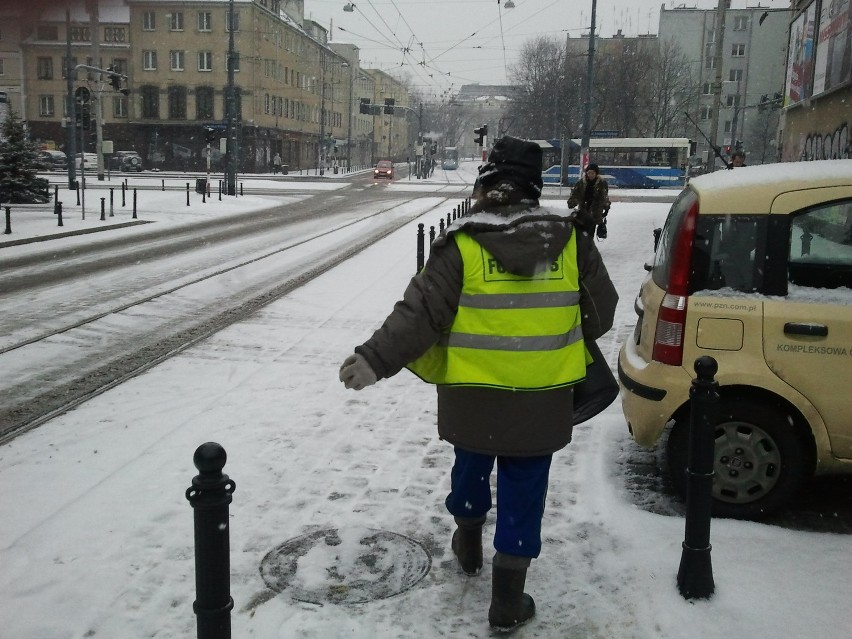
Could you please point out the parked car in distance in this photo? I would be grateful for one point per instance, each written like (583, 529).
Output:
(52, 161)
(384, 169)
(125, 161)
(752, 267)
(90, 161)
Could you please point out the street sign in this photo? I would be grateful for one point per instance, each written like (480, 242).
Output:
(605, 133)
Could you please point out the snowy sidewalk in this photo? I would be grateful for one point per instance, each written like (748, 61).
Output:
(97, 539)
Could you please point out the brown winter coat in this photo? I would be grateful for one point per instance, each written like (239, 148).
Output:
(489, 420)
(588, 217)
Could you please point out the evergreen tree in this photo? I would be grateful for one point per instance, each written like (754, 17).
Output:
(18, 165)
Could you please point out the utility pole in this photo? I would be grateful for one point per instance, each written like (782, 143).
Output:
(70, 130)
(719, 35)
(320, 147)
(99, 111)
(231, 141)
(587, 107)
(349, 124)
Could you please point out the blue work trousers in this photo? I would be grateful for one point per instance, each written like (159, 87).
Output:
(521, 491)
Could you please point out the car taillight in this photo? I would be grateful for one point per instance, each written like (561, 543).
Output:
(671, 319)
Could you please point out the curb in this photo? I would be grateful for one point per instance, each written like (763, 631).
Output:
(55, 236)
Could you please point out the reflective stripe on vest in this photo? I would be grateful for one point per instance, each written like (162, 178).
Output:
(511, 331)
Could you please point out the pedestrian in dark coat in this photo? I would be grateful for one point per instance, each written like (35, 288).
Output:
(492, 414)
(590, 196)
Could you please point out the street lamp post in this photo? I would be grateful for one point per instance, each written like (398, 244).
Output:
(587, 107)
(320, 146)
(349, 121)
(71, 133)
(231, 141)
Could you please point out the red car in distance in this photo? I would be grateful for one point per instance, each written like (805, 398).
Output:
(384, 169)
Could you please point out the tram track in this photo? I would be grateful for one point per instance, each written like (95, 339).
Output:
(40, 385)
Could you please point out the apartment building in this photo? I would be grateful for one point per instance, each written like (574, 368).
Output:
(392, 139)
(752, 73)
(294, 92)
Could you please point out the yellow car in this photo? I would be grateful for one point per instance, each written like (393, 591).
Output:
(753, 267)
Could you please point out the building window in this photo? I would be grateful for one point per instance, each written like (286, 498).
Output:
(47, 32)
(236, 63)
(738, 50)
(44, 70)
(45, 105)
(64, 69)
(176, 21)
(740, 23)
(735, 75)
(150, 102)
(204, 103)
(205, 60)
(149, 22)
(3, 67)
(80, 34)
(728, 126)
(706, 113)
(710, 62)
(149, 60)
(732, 100)
(205, 21)
(228, 21)
(177, 103)
(176, 60)
(707, 88)
(114, 34)
(119, 106)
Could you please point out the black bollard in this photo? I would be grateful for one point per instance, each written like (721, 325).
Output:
(163, 185)
(59, 213)
(134, 204)
(111, 214)
(449, 221)
(421, 237)
(209, 496)
(187, 193)
(441, 225)
(123, 191)
(241, 188)
(695, 574)
(55, 195)
(8, 230)
(431, 235)
(77, 184)
(103, 209)
(204, 195)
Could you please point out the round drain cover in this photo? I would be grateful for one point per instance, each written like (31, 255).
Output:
(345, 566)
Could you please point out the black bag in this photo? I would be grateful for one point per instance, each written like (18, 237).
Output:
(595, 393)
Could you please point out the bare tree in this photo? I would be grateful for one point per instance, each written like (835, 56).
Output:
(674, 91)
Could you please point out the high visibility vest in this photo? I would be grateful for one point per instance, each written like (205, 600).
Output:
(511, 331)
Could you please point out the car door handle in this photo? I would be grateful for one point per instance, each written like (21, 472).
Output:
(816, 330)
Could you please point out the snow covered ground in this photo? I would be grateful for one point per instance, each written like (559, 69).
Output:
(97, 536)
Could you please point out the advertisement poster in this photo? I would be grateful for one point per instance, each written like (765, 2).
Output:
(800, 56)
(833, 66)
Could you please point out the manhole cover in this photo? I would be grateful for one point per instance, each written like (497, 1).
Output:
(345, 566)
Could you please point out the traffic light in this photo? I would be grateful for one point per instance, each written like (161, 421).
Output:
(365, 106)
(434, 148)
(210, 134)
(389, 102)
(115, 80)
(83, 112)
(481, 132)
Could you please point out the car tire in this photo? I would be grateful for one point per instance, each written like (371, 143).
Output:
(758, 462)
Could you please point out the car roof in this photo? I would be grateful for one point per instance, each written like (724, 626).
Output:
(753, 189)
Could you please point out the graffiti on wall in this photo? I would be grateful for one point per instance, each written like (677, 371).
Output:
(828, 146)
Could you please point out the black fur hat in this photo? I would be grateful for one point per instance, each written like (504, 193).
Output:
(591, 166)
(515, 160)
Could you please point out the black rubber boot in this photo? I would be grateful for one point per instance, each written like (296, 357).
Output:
(467, 544)
(510, 605)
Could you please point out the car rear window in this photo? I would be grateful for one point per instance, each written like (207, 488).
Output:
(384, 165)
(728, 251)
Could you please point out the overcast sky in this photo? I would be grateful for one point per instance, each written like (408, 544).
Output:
(477, 41)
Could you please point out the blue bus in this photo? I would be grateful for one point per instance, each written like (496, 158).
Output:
(637, 163)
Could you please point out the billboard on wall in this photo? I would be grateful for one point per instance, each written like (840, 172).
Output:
(833, 62)
(800, 56)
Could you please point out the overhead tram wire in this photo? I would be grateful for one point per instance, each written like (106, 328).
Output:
(503, 42)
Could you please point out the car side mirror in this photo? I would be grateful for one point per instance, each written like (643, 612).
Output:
(657, 233)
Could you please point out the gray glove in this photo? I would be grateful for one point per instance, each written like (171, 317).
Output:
(356, 373)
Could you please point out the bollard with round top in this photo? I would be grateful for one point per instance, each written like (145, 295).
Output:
(421, 239)
(209, 496)
(695, 574)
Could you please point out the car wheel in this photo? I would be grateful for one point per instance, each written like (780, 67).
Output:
(758, 461)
